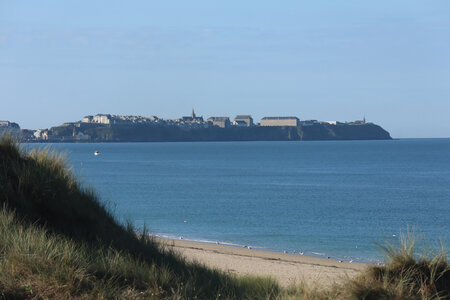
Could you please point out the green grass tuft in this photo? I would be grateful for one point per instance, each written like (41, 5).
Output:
(408, 274)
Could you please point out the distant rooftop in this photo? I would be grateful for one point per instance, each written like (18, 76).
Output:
(218, 118)
(279, 118)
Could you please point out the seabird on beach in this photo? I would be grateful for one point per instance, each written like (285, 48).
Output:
(248, 247)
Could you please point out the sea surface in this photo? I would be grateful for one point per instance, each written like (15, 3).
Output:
(338, 199)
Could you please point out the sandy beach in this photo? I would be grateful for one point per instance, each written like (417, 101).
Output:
(286, 268)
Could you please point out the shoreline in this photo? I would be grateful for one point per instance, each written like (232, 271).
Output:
(310, 253)
(286, 268)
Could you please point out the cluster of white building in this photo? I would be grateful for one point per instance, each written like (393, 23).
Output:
(117, 119)
(193, 120)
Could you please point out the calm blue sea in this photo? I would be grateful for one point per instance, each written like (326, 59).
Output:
(339, 198)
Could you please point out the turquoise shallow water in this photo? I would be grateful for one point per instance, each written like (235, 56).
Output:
(336, 199)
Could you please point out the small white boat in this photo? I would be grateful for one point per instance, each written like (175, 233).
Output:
(97, 153)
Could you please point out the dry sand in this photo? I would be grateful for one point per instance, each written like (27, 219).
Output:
(286, 268)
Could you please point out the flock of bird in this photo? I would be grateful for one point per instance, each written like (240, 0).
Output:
(285, 251)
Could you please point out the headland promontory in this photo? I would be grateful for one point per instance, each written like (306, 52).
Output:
(117, 128)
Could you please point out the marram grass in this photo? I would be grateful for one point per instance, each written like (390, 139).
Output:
(58, 242)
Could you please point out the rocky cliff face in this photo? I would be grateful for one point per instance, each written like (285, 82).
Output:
(343, 132)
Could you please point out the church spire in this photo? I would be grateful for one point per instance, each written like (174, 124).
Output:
(193, 113)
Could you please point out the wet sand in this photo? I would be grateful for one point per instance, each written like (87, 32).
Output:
(286, 268)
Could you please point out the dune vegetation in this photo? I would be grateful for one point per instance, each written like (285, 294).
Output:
(57, 241)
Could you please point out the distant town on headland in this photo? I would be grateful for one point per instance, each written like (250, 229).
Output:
(117, 128)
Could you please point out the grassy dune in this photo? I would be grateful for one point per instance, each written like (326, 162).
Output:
(57, 241)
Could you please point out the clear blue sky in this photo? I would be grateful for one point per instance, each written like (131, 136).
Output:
(325, 60)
